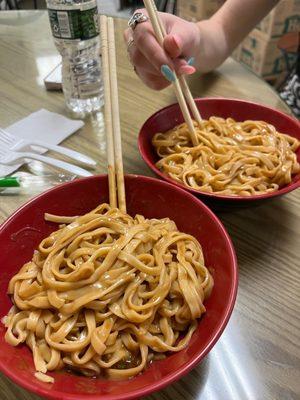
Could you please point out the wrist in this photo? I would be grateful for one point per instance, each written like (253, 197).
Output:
(212, 48)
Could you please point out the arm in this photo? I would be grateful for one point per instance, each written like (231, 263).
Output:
(210, 42)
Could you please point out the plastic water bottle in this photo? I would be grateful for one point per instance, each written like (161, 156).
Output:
(75, 30)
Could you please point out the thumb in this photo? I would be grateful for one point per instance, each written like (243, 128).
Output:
(173, 45)
(180, 40)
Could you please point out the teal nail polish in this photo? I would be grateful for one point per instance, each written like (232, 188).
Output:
(191, 61)
(168, 73)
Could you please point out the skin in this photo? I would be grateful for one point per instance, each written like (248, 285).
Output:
(210, 42)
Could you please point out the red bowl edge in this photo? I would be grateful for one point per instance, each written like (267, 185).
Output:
(56, 395)
(282, 191)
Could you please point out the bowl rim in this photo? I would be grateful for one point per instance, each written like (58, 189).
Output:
(213, 196)
(177, 374)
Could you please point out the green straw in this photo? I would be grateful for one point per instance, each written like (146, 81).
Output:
(10, 181)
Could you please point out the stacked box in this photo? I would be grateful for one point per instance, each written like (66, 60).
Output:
(284, 18)
(236, 53)
(259, 51)
(196, 10)
(263, 56)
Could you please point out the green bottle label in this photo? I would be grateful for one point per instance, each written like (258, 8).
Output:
(74, 24)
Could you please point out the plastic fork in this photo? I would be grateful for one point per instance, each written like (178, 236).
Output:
(10, 157)
(17, 144)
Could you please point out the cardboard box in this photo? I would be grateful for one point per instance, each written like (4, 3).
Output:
(236, 53)
(196, 10)
(263, 56)
(284, 18)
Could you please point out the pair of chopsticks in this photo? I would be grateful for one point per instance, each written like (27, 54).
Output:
(112, 115)
(181, 88)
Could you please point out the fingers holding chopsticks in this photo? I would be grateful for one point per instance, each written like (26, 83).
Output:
(180, 86)
(147, 56)
(152, 62)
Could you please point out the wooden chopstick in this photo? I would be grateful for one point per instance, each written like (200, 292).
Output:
(179, 94)
(181, 88)
(117, 196)
(190, 99)
(184, 86)
(116, 115)
(111, 169)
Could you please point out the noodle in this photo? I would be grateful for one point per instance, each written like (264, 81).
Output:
(232, 158)
(106, 293)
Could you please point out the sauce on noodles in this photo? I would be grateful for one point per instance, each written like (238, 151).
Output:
(106, 294)
(232, 158)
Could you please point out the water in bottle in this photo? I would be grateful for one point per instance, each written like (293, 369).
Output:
(74, 26)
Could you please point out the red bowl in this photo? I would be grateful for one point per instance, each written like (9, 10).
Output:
(240, 110)
(22, 232)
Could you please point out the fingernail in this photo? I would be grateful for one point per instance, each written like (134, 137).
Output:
(175, 41)
(187, 70)
(168, 73)
(191, 61)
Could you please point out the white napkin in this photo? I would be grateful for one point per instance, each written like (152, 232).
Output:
(41, 125)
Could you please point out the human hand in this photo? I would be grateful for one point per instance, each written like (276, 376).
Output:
(154, 64)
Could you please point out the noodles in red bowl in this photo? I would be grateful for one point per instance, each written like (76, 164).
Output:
(226, 111)
(21, 234)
